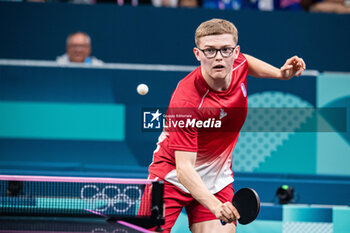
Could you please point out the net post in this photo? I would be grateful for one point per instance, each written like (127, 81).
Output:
(14, 188)
(157, 210)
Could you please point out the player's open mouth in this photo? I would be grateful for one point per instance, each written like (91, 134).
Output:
(218, 67)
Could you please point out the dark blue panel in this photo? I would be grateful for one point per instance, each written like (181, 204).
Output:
(137, 35)
(86, 85)
(304, 87)
(61, 154)
(270, 212)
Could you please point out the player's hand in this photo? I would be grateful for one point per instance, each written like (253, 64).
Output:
(227, 212)
(293, 66)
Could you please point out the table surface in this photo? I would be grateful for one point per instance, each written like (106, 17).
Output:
(64, 224)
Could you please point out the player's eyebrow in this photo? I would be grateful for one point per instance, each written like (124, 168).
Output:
(213, 46)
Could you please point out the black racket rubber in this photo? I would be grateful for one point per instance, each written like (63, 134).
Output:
(247, 203)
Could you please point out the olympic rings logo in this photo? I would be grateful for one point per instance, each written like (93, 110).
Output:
(111, 196)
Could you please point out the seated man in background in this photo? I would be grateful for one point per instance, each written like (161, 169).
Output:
(189, 3)
(329, 6)
(78, 50)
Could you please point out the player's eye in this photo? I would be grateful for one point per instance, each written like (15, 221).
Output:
(209, 51)
(226, 51)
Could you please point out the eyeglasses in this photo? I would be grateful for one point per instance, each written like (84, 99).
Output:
(78, 45)
(211, 52)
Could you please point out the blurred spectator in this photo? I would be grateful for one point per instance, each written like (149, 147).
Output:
(223, 4)
(190, 3)
(35, 1)
(126, 2)
(290, 5)
(164, 3)
(78, 1)
(327, 6)
(78, 50)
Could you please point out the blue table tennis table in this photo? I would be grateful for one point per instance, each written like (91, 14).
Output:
(79, 204)
(15, 224)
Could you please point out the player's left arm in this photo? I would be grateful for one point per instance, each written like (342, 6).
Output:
(260, 69)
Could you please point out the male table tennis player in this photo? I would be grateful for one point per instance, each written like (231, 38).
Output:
(196, 164)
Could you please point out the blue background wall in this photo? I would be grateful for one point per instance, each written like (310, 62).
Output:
(166, 36)
(92, 119)
(61, 115)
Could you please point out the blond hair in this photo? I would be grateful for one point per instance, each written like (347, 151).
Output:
(216, 27)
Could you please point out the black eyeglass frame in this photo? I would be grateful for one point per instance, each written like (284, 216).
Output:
(216, 51)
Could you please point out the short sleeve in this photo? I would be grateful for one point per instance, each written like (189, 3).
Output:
(180, 123)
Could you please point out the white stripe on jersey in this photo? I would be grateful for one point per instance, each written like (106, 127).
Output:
(239, 65)
(203, 99)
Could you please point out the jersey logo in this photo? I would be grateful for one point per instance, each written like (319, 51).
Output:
(222, 113)
(244, 91)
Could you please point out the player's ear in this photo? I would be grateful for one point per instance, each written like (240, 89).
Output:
(236, 51)
(196, 53)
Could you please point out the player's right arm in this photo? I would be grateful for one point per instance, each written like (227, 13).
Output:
(191, 180)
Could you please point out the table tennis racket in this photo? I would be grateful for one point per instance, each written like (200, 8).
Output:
(247, 203)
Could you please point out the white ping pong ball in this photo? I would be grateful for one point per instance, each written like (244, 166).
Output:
(142, 89)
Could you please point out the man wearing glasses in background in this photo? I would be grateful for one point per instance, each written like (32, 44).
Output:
(196, 164)
(78, 50)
